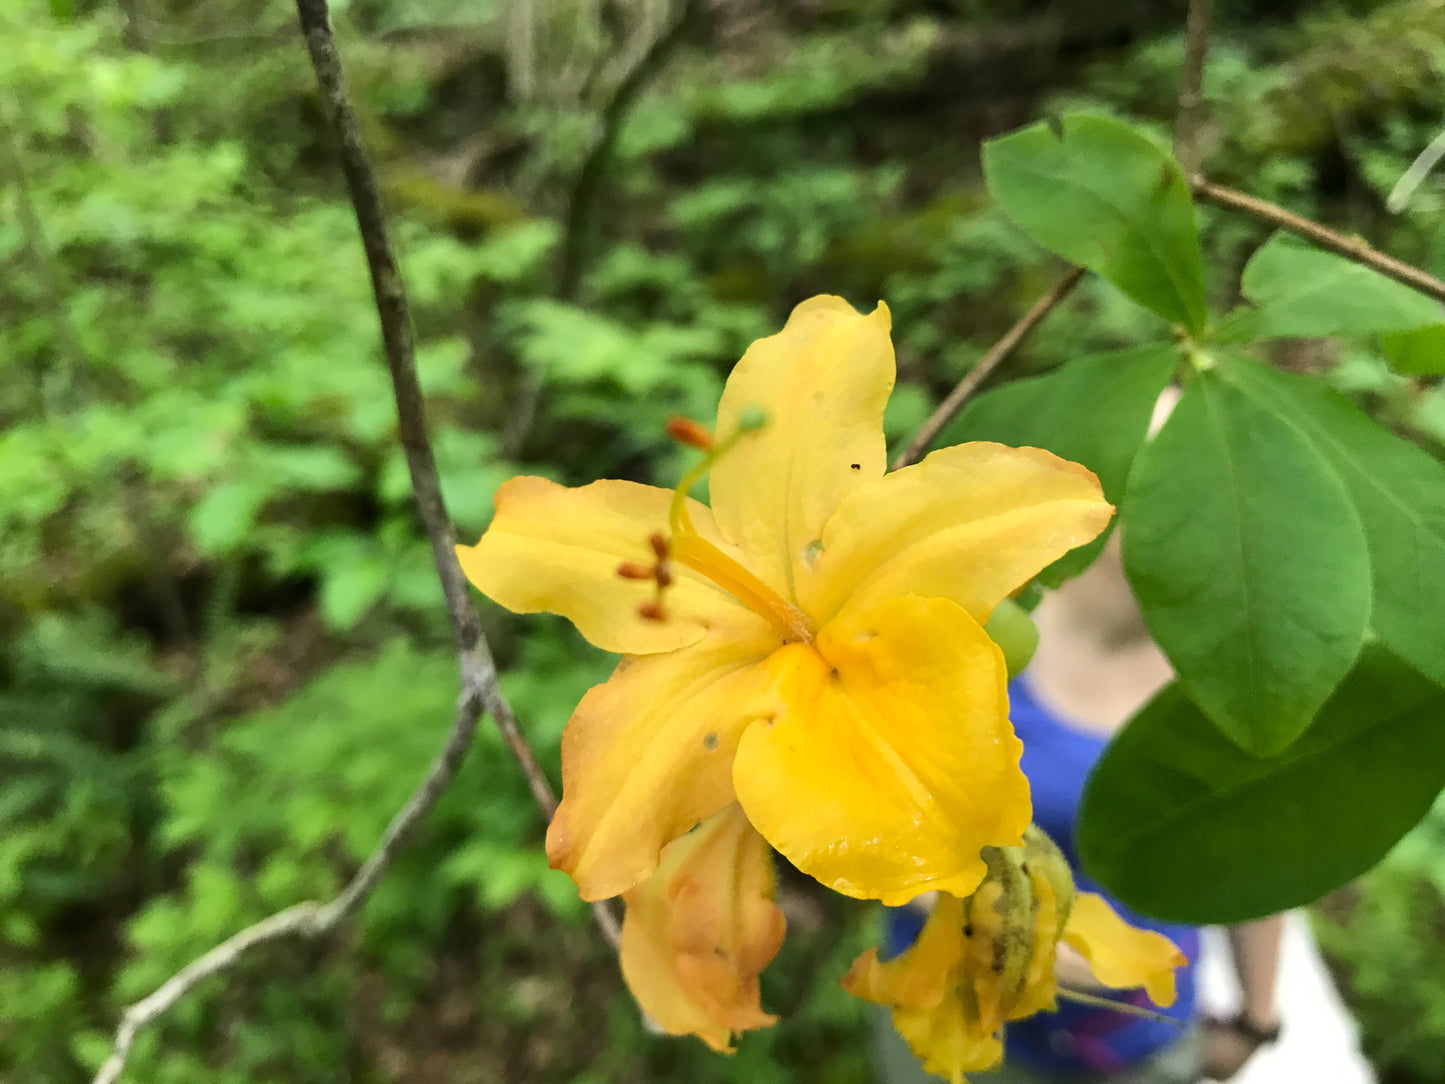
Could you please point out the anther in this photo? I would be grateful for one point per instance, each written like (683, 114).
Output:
(631, 570)
(686, 431)
(652, 611)
(662, 574)
(659, 544)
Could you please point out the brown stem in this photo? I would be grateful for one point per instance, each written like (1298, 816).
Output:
(1191, 82)
(1326, 238)
(995, 357)
(587, 190)
(480, 691)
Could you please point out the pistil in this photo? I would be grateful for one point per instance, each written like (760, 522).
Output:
(697, 553)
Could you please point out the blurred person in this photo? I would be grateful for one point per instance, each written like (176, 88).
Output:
(1095, 666)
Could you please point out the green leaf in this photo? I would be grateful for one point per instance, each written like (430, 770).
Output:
(1249, 564)
(1103, 195)
(1061, 411)
(1181, 824)
(318, 468)
(351, 587)
(1420, 351)
(223, 519)
(1300, 290)
(1398, 491)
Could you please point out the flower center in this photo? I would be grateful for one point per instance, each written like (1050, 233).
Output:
(697, 553)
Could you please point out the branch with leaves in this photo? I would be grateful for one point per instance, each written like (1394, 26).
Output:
(1161, 276)
(480, 690)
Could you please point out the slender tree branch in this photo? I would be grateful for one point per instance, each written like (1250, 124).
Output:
(587, 188)
(1338, 243)
(995, 357)
(1189, 120)
(480, 691)
(579, 220)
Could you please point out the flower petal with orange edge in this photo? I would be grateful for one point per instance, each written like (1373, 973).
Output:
(556, 550)
(648, 754)
(971, 523)
(1120, 955)
(890, 762)
(822, 382)
(920, 976)
(921, 986)
(947, 1041)
(701, 929)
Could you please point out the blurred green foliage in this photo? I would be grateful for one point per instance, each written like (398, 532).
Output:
(1382, 936)
(223, 662)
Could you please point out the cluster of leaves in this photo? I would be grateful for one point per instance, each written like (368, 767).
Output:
(222, 660)
(1287, 551)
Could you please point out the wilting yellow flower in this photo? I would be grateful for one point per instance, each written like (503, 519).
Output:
(700, 930)
(811, 645)
(988, 959)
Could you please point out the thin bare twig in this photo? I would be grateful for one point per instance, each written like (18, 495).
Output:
(582, 202)
(1348, 247)
(480, 691)
(587, 188)
(1190, 116)
(308, 920)
(995, 357)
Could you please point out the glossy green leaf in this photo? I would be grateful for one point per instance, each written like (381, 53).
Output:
(1398, 491)
(1299, 290)
(1249, 564)
(1062, 412)
(1182, 824)
(1103, 195)
(1420, 351)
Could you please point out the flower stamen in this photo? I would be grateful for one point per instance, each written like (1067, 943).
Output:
(700, 555)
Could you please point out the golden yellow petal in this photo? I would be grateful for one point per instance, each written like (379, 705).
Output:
(557, 550)
(890, 762)
(971, 523)
(822, 382)
(949, 1042)
(920, 976)
(1118, 954)
(700, 930)
(648, 754)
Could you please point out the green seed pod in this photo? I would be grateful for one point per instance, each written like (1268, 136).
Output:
(1044, 858)
(1010, 928)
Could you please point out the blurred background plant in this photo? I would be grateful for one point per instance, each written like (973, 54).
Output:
(223, 660)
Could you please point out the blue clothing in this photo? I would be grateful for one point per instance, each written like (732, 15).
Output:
(1057, 759)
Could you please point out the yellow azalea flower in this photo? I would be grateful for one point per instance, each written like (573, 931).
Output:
(700, 930)
(988, 959)
(811, 645)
